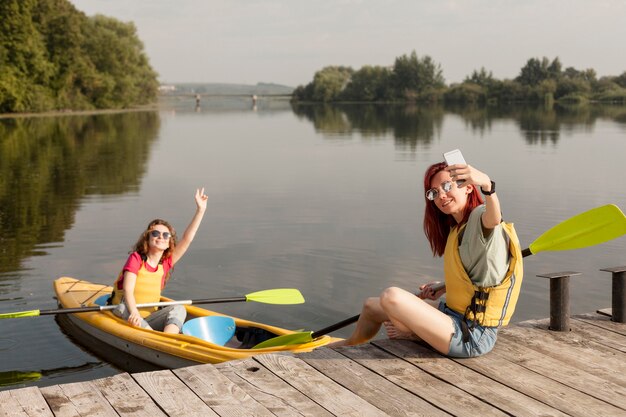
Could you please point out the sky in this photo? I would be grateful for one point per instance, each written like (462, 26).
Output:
(287, 41)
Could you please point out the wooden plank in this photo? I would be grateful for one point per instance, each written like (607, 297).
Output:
(592, 327)
(553, 393)
(23, 402)
(603, 321)
(219, 392)
(599, 334)
(172, 395)
(367, 384)
(275, 394)
(579, 352)
(468, 380)
(77, 399)
(422, 384)
(321, 389)
(562, 372)
(126, 397)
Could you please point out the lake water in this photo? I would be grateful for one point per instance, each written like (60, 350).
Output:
(324, 199)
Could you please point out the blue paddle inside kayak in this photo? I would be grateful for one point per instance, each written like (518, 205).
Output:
(214, 329)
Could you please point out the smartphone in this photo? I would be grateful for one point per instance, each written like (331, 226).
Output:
(454, 157)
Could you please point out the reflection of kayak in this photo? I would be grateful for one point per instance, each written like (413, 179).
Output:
(166, 350)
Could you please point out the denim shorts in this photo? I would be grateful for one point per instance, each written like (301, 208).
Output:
(482, 339)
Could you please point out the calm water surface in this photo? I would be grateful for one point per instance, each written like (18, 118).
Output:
(324, 199)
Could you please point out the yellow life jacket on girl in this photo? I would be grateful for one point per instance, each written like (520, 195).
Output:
(147, 288)
(487, 306)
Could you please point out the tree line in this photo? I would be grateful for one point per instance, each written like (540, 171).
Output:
(54, 57)
(420, 79)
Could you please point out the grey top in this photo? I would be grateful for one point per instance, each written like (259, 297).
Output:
(485, 258)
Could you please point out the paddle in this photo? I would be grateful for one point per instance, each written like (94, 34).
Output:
(275, 296)
(590, 228)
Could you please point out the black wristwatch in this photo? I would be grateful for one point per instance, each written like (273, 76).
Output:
(493, 189)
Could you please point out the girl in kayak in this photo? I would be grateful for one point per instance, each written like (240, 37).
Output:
(148, 269)
(482, 270)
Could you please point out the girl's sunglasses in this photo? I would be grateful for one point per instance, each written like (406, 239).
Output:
(164, 235)
(434, 192)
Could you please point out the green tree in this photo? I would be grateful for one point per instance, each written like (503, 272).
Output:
(481, 78)
(25, 69)
(369, 84)
(413, 76)
(621, 80)
(54, 56)
(330, 82)
(535, 71)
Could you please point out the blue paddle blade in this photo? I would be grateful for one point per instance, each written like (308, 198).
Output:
(214, 329)
(102, 300)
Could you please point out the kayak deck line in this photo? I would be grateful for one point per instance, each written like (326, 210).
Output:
(532, 371)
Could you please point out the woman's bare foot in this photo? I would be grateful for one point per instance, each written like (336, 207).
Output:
(394, 333)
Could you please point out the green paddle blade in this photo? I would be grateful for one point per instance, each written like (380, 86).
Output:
(277, 296)
(17, 377)
(285, 340)
(19, 314)
(590, 228)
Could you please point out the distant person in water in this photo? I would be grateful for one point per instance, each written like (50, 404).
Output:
(482, 270)
(148, 269)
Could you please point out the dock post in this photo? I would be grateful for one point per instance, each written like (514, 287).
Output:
(618, 293)
(559, 299)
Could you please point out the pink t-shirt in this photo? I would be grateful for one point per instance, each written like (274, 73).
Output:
(133, 264)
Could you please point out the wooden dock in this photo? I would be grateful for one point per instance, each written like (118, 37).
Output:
(531, 372)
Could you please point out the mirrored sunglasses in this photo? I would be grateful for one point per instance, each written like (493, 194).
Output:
(164, 235)
(434, 192)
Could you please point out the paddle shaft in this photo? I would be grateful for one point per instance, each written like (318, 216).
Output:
(88, 309)
(354, 319)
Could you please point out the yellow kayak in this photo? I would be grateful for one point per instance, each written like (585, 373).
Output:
(158, 348)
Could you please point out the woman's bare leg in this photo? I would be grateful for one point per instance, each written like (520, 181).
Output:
(394, 333)
(372, 317)
(409, 313)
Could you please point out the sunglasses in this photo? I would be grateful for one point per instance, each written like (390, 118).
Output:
(164, 235)
(434, 192)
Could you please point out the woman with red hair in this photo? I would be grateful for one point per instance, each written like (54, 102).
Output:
(482, 270)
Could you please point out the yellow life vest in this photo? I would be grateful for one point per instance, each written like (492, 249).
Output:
(147, 288)
(488, 306)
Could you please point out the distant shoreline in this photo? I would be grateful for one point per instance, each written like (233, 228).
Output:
(56, 113)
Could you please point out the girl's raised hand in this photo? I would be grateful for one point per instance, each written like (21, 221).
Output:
(201, 199)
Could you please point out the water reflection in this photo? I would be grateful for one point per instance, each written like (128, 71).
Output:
(49, 163)
(19, 377)
(412, 125)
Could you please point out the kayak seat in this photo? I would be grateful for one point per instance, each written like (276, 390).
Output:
(214, 329)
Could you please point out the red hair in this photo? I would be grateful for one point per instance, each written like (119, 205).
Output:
(437, 225)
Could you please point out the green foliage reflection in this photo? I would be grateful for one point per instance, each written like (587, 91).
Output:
(411, 125)
(48, 164)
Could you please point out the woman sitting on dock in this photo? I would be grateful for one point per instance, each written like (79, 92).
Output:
(482, 269)
(148, 269)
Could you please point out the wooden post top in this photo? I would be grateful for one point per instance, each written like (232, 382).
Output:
(614, 269)
(559, 274)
